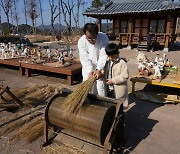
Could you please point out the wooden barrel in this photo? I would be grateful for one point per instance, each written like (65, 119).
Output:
(93, 120)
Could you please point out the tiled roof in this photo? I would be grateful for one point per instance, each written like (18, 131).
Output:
(138, 6)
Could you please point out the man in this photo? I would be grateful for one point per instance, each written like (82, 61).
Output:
(149, 42)
(92, 56)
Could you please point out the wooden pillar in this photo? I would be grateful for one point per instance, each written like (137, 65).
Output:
(114, 27)
(168, 26)
(141, 27)
(129, 32)
(99, 24)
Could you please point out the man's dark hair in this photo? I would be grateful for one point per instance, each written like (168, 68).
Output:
(112, 49)
(91, 28)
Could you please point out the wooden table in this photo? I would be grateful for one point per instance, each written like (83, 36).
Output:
(167, 82)
(11, 62)
(70, 71)
(25, 68)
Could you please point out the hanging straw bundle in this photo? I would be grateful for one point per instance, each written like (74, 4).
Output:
(74, 102)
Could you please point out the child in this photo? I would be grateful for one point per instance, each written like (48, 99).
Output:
(117, 74)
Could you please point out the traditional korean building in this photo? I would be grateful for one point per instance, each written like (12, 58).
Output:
(133, 19)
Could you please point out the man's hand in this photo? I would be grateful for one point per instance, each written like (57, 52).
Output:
(109, 81)
(97, 74)
(91, 74)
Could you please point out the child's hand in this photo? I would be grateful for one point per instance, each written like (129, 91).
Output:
(109, 81)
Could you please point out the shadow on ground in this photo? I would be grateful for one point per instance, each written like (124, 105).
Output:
(137, 124)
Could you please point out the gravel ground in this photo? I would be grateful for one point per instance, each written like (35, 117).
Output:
(150, 128)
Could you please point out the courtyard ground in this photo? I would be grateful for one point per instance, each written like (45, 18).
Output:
(150, 128)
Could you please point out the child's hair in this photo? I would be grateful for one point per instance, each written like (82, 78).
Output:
(112, 49)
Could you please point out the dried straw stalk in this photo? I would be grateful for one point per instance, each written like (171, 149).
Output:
(74, 102)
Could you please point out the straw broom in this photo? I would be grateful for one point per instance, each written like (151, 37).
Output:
(74, 102)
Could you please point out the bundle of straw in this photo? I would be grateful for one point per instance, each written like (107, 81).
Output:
(31, 131)
(74, 102)
(21, 93)
(17, 124)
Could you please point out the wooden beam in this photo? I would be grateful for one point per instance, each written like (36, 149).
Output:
(129, 30)
(8, 105)
(99, 25)
(13, 96)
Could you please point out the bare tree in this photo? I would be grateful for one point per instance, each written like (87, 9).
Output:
(67, 8)
(11, 15)
(53, 16)
(25, 13)
(41, 13)
(76, 15)
(59, 8)
(32, 11)
(16, 17)
(6, 6)
(1, 30)
(83, 4)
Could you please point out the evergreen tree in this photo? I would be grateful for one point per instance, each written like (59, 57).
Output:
(96, 3)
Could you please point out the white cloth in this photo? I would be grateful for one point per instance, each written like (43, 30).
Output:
(110, 74)
(93, 56)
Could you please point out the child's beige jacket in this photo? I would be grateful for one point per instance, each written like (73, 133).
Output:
(120, 76)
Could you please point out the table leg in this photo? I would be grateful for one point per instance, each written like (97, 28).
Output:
(22, 71)
(27, 72)
(70, 80)
(133, 87)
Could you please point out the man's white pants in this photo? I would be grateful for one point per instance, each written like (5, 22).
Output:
(99, 87)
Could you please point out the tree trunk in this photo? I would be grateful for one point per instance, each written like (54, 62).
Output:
(16, 17)
(70, 20)
(1, 30)
(52, 24)
(42, 21)
(59, 17)
(7, 16)
(33, 27)
(12, 17)
(52, 27)
(25, 13)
